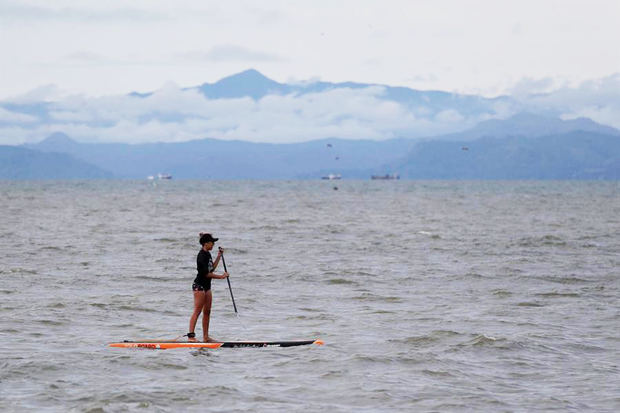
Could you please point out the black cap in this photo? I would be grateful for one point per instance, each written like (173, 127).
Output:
(207, 238)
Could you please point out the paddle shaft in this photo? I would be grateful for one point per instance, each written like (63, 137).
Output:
(229, 287)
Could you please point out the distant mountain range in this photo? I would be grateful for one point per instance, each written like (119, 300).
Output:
(531, 126)
(525, 146)
(575, 154)
(21, 163)
(217, 159)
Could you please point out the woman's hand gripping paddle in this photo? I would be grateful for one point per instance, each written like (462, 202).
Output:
(228, 279)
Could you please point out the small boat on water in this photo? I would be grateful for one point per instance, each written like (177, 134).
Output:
(159, 176)
(385, 177)
(331, 177)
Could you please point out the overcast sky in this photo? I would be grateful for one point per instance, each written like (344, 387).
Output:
(559, 57)
(486, 47)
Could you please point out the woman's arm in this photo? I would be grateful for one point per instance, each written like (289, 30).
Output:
(220, 251)
(217, 259)
(217, 276)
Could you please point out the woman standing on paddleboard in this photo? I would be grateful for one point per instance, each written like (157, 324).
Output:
(202, 286)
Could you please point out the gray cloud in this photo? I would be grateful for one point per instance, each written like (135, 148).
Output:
(530, 86)
(43, 93)
(11, 117)
(597, 99)
(14, 11)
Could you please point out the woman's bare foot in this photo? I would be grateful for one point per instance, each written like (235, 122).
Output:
(211, 340)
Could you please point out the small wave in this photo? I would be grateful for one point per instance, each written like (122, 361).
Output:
(22, 271)
(371, 359)
(358, 273)
(418, 340)
(436, 373)
(150, 278)
(482, 340)
(564, 280)
(99, 305)
(167, 365)
(11, 331)
(322, 316)
(52, 248)
(133, 308)
(168, 240)
(339, 281)
(336, 374)
(430, 234)
(587, 348)
(445, 333)
(51, 322)
(589, 245)
(432, 337)
(502, 293)
(266, 228)
(545, 240)
(557, 295)
(57, 305)
(374, 297)
(529, 304)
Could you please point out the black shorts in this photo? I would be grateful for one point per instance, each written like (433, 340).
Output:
(198, 287)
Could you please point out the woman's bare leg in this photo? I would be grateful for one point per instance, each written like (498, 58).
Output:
(199, 302)
(206, 315)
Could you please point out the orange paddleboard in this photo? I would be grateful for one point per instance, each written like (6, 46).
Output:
(165, 345)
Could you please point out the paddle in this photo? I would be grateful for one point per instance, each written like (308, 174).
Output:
(228, 279)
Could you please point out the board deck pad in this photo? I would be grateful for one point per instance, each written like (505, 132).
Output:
(165, 345)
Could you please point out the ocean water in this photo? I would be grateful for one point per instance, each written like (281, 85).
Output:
(430, 296)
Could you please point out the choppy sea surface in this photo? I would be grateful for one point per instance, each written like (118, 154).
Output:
(430, 296)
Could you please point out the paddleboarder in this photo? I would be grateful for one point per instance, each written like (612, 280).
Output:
(202, 286)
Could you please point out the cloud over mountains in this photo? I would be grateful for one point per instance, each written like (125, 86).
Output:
(281, 113)
(597, 99)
